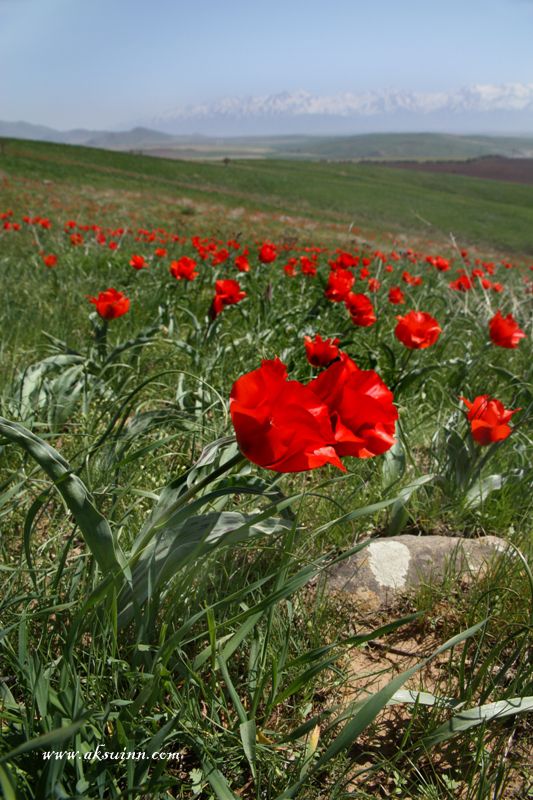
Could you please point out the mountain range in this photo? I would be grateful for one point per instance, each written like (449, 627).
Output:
(341, 126)
(488, 108)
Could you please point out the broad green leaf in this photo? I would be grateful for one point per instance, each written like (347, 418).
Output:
(93, 526)
(46, 740)
(471, 717)
(177, 544)
(218, 782)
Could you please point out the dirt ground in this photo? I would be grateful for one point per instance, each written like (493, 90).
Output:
(514, 170)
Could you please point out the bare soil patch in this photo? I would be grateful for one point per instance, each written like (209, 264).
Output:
(498, 168)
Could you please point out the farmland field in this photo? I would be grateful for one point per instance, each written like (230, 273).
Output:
(184, 460)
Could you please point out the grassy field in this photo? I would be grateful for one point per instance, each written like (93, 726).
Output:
(376, 200)
(162, 593)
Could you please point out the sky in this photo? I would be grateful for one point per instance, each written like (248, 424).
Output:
(114, 63)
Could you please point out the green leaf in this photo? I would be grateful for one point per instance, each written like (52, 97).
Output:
(218, 782)
(46, 740)
(479, 492)
(6, 784)
(422, 698)
(93, 526)
(393, 465)
(403, 496)
(178, 544)
(471, 717)
(414, 374)
(248, 734)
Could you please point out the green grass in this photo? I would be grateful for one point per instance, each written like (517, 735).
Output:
(369, 197)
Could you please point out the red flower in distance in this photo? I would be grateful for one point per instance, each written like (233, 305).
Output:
(50, 260)
(321, 352)
(227, 293)
(340, 282)
(220, 257)
(442, 264)
(242, 263)
(308, 266)
(488, 419)
(362, 413)
(138, 262)
(417, 330)
(412, 280)
(462, 284)
(267, 253)
(280, 424)
(110, 304)
(344, 260)
(160, 252)
(504, 331)
(361, 309)
(184, 269)
(396, 296)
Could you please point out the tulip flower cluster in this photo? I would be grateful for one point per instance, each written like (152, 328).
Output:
(287, 426)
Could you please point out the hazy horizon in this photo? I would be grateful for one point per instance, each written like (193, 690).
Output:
(114, 66)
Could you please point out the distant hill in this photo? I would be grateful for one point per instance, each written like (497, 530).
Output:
(137, 138)
(372, 146)
(378, 146)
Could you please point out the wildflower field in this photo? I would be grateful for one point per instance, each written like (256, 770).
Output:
(204, 407)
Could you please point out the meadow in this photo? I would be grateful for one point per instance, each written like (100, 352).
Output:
(183, 460)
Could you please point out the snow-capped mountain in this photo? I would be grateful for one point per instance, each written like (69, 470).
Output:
(507, 107)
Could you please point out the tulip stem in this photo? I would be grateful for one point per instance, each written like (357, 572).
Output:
(402, 372)
(100, 339)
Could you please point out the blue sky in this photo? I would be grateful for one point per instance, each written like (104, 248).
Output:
(104, 63)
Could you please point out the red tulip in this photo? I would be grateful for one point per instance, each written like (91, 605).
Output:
(287, 427)
(110, 304)
(417, 330)
(504, 331)
(488, 419)
(442, 264)
(462, 284)
(361, 309)
(344, 260)
(340, 282)
(361, 407)
(308, 266)
(242, 263)
(220, 257)
(267, 253)
(50, 260)
(184, 269)
(321, 352)
(396, 296)
(281, 425)
(227, 293)
(412, 280)
(138, 262)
